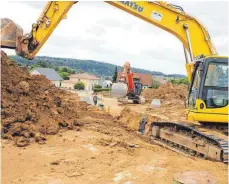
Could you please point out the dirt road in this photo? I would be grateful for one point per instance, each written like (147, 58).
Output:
(102, 152)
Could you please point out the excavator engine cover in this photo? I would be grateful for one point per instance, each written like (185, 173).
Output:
(119, 89)
(10, 33)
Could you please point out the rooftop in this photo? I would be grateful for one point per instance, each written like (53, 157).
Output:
(49, 73)
(145, 79)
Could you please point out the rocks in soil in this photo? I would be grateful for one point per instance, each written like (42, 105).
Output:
(56, 162)
(33, 107)
(22, 142)
(73, 174)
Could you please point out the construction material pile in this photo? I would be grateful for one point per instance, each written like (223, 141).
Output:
(167, 93)
(32, 106)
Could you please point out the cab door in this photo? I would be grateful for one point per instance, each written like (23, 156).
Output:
(194, 86)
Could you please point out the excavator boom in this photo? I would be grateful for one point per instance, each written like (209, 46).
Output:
(171, 18)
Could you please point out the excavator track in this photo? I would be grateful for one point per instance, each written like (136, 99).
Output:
(187, 139)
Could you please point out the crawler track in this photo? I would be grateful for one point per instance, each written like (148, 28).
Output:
(187, 139)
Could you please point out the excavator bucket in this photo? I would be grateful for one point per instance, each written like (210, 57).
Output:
(10, 33)
(119, 89)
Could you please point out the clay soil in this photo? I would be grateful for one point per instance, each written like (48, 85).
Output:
(86, 145)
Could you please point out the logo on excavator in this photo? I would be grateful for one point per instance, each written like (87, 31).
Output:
(133, 5)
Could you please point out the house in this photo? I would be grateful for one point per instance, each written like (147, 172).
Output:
(88, 80)
(50, 74)
(145, 79)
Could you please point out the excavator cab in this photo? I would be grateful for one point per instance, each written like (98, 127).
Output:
(208, 90)
(137, 86)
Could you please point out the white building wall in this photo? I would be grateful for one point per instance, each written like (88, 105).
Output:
(56, 83)
(34, 72)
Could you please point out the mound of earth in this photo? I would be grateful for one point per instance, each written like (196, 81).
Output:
(33, 107)
(132, 118)
(168, 93)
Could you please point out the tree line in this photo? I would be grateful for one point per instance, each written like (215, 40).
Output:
(90, 66)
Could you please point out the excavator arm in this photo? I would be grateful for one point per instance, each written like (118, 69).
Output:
(28, 45)
(171, 18)
(168, 17)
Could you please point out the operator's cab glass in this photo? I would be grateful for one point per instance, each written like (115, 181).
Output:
(215, 90)
(209, 83)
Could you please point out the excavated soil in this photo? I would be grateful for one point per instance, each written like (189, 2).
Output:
(33, 107)
(131, 118)
(105, 150)
(168, 93)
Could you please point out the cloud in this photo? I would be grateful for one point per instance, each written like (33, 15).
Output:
(96, 30)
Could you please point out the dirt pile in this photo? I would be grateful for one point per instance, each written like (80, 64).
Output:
(32, 106)
(166, 92)
(132, 118)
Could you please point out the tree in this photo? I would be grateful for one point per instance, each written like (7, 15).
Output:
(180, 81)
(155, 84)
(80, 71)
(56, 68)
(64, 75)
(115, 74)
(73, 72)
(43, 64)
(64, 69)
(79, 86)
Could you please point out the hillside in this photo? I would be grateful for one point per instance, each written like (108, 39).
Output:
(89, 66)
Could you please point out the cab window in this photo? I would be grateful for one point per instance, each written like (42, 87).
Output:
(215, 91)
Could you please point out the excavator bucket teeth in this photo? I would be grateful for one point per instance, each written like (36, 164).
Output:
(119, 89)
(10, 33)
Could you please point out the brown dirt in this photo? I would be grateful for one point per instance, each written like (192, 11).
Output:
(132, 118)
(105, 150)
(169, 94)
(102, 152)
(32, 106)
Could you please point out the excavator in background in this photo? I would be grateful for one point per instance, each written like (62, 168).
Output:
(208, 92)
(128, 89)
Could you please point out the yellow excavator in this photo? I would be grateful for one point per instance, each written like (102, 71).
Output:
(206, 70)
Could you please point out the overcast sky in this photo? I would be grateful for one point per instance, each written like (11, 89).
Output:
(99, 31)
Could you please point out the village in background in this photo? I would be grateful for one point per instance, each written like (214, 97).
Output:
(89, 75)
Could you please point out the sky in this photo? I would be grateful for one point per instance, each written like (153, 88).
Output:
(99, 31)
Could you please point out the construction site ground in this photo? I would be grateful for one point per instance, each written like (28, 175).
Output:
(102, 149)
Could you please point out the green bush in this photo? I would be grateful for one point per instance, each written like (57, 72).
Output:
(64, 75)
(180, 81)
(155, 84)
(101, 89)
(97, 86)
(79, 86)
